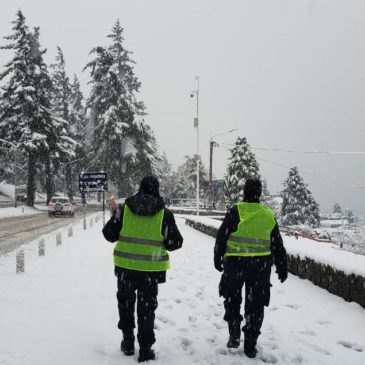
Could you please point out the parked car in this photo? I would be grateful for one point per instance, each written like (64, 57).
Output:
(21, 193)
(60, 205)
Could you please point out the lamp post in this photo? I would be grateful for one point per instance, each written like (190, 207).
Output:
(196, 125)
(213, 144)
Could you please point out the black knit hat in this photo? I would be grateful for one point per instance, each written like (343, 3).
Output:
(252, 189)
(150, 185)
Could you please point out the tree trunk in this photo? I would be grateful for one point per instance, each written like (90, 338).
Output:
(31, 179)
(69, 187)
(49, 180)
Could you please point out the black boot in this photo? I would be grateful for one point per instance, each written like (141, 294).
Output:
(127, 345)
(145, 354)
(250, 348)
(234, 334)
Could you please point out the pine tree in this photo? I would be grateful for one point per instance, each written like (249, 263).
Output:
(266, 198)
(186, 183)
(122, 144)
(167, 184)
(61, 105)
(337, 208)
(299, 206)
(350, 216)
(81, 129)
(242, 166)
(25, 114)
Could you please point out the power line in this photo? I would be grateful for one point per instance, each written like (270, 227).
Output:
(306, 172)
(305, 152)
(314, 175)
(312, 152)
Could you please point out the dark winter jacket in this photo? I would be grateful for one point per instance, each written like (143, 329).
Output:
(229, 225)
(147, 205)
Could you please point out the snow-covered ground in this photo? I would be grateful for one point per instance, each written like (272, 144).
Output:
(19, 211)
(63, 310)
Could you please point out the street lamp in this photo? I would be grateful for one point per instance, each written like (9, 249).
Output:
(213, 144)
(196, 125)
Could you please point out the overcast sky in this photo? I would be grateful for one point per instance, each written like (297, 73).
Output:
(287, 74)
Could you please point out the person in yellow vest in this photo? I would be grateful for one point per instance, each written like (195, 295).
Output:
(248, 243)
(144, 231)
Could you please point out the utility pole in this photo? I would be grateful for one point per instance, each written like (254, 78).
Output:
(212, 144)
(196, 125)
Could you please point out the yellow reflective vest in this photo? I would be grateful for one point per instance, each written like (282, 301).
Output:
(140, 245)
(252, 237)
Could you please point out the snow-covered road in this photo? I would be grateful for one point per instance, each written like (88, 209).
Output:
(15, 230)
(62, 310)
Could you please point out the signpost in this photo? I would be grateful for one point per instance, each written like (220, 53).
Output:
(93, 182)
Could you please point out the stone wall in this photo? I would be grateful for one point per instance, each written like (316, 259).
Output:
(349, 287)
(201, 212)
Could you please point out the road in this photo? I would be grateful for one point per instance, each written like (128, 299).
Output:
(15, 231)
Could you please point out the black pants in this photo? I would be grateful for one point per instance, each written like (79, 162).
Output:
(254, 273)
(140, 286)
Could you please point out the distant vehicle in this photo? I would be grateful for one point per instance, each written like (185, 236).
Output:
(21, 193)
(60, 205)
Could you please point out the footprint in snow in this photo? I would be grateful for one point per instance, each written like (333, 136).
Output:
(218, 326)
(186, 345)
(351, 345)
(182, 288)
(324, 323)
(165, 320)
(212, 340)
(298, 359)
(267, 358)
(200, 294)
(293, 306)
(308, 333)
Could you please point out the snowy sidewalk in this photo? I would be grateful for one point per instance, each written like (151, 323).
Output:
(62, 310)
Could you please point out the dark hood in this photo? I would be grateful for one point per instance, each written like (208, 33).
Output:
(145, 204)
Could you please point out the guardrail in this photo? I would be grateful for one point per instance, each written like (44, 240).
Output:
(350, 287)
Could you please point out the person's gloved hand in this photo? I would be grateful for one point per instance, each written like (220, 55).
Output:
(283, 275)
(218, 263)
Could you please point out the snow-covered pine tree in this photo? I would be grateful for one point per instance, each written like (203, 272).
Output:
(191, 164)
(299, 206)
(186, 178)
(80, 129)
(123, 145)
(166, 179)
(350, 216)
(242, 166)
(266, 198)
(25, 108)
(61, 105)
(337, 208)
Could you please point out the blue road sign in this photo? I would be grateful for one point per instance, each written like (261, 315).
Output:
(93, 182)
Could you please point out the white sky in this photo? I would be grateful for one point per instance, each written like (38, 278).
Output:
(287, 74)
